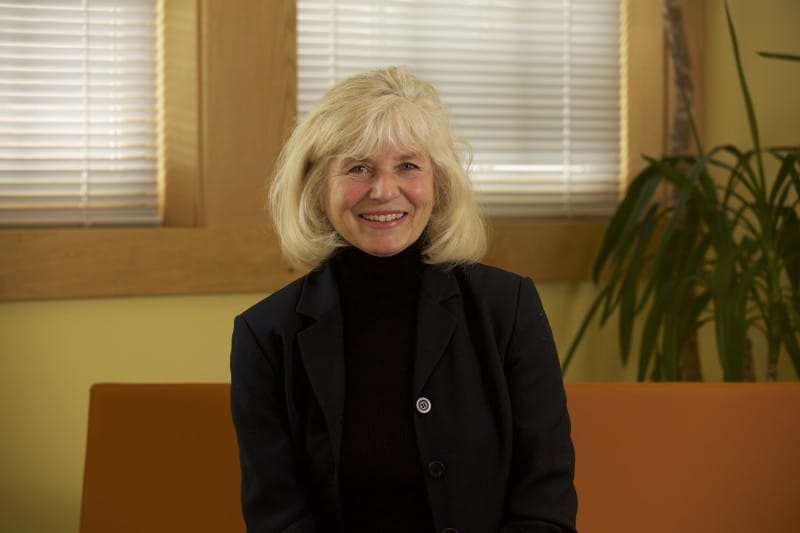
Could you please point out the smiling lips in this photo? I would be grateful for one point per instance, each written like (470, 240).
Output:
(390, 217)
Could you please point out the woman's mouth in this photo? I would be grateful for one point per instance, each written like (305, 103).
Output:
(387, 217)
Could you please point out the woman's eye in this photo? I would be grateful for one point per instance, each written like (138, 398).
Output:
(358, 169)
(409, 166)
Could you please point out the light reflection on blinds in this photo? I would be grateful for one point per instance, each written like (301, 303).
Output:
(534, 85)
(78, 112)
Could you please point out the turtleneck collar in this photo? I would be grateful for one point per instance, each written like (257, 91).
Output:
(362, 275)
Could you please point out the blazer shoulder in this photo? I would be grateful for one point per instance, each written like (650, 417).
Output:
(500, 292)
(493, 299)
(489, 281)
(277, 308)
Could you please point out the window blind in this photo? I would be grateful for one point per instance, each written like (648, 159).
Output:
(78, 112)
(533, 85)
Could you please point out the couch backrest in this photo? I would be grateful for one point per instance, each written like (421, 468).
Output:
(687, 457)
(160, 458)
(651, 458)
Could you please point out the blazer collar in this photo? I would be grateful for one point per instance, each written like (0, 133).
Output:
(320, 293)
(321, 348)
(435, 322)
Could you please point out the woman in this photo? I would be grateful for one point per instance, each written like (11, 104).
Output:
(400, 385)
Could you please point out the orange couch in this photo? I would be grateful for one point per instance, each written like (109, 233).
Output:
(651, 458)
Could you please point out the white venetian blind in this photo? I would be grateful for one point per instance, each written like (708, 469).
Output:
(78, 112)
(534, 85)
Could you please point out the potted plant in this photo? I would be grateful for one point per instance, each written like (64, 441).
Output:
(724, 249)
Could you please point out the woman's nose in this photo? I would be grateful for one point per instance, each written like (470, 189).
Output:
(384, 187)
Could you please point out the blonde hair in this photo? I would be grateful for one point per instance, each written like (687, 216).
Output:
(357, 118)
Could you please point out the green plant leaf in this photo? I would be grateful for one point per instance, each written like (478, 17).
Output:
(792, 346)
(783, 321)
(748, 101)
(679, 297)
(786, 181)
(621, 229)
(739, 172)
(630, 284)
(791, 328)
(789, 248)
(635, 246)
(777, 55)
(583, 327)
(729, 292)
(649, 339)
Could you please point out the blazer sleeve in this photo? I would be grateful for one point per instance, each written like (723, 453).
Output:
(274, 498)
(540, 495)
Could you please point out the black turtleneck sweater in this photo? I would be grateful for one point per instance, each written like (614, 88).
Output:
(381, 478)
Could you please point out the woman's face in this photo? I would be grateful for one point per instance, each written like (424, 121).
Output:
(380, 204)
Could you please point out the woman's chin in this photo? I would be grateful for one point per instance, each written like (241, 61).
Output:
(384, 249)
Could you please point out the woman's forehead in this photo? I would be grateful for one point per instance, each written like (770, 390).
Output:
(375, 146)
(390, 152)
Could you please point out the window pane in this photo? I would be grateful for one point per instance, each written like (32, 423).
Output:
(534, 85)
(79, 113)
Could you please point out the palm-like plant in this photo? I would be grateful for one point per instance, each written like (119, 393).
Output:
(724, 248)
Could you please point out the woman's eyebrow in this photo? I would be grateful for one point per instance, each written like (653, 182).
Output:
(350, 160)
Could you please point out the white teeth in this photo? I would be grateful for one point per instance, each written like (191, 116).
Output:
(383, 218)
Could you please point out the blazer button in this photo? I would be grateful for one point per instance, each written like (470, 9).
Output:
(449, 530)
(436, 469)
(423, 405)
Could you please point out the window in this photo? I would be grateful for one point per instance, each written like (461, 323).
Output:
(534, 85)
(225, 119)
(78, 124)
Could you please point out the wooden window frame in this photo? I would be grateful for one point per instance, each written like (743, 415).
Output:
(230, 91)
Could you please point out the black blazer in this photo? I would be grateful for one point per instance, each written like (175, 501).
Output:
(495, 444)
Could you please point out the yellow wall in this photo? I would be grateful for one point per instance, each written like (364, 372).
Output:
(760, 25)
(52, 351)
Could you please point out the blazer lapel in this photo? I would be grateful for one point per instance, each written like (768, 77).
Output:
(435, 323)
(322, 349)
(321, 344)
